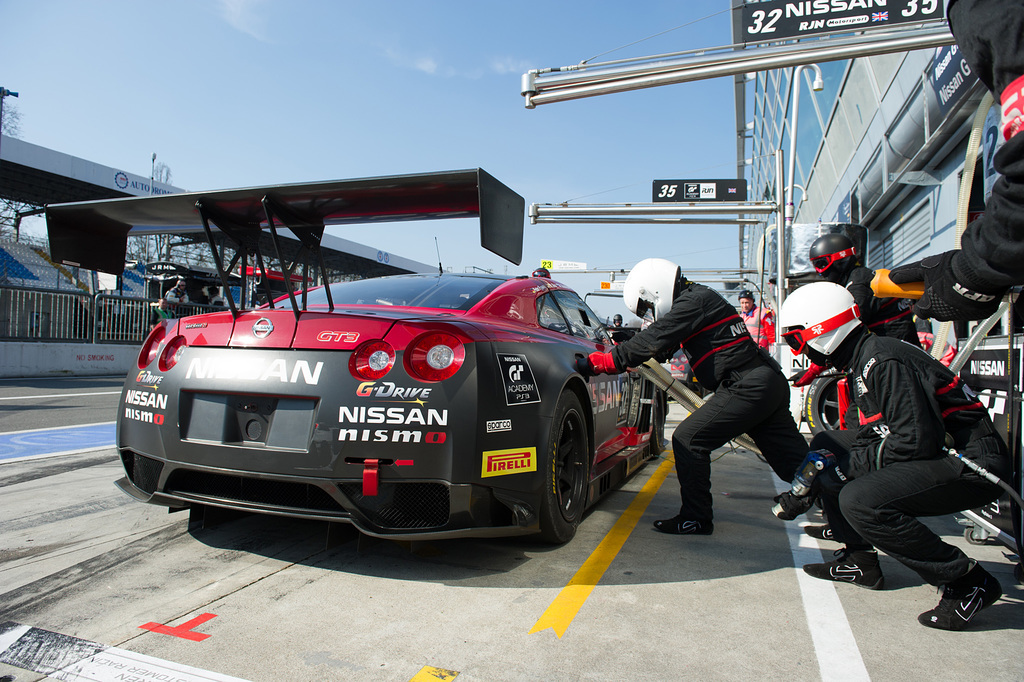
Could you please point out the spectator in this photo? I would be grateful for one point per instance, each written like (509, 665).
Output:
(760, 321)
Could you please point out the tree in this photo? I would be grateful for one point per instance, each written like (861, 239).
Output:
(10, 125)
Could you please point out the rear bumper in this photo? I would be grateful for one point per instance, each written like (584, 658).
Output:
(406, 508)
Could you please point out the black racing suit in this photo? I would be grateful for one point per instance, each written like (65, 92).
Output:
(895, 465)
(751, 393)
(991, 35)
(891, 317)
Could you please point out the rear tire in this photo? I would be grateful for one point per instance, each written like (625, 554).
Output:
(658, 410)
(565, 464)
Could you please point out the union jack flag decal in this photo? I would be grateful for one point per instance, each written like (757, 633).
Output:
(879, 16)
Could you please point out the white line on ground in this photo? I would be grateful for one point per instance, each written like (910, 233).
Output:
(839, 658)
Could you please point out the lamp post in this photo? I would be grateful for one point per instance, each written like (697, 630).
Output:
(781, 239)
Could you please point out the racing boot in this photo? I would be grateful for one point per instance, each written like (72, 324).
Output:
(678, 525)
(820, 532)
(963, 598)
(859, 567)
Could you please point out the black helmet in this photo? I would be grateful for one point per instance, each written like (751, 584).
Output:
(617, 319)
(542, 272)
(833, 256)
(747, 293)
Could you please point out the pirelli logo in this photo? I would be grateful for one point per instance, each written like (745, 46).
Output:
(514, 461)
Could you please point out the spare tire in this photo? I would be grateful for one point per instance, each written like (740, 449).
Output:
(821, 404)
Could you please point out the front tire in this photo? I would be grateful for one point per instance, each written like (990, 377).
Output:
(565, 466)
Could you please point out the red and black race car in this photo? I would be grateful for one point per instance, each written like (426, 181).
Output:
(418, 406)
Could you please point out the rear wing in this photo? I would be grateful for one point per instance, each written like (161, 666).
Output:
(94, 234)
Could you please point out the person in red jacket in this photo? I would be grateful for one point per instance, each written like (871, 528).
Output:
(759, 320)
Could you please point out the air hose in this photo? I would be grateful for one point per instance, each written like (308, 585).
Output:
(660, 377)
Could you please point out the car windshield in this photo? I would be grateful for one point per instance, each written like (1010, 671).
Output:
(417, 291)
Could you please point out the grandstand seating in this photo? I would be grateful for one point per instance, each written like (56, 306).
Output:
(21, 265)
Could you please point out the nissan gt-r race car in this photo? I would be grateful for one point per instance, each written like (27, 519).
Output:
(419, 406)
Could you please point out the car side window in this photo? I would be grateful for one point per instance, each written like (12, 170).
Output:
(582, 320)
(549, 316)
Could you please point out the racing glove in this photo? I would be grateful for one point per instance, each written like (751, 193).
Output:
(804, 378)
(601, 363)
(946, 296)
(788, 506)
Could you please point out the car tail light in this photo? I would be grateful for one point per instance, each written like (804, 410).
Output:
(172, 352)
(150, 347)
(435, 356)
(372, 360)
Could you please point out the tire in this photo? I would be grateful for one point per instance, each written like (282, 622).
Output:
(566, 467)
(658, 411)
(821, 404)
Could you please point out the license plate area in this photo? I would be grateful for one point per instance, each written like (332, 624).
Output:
(253, 421)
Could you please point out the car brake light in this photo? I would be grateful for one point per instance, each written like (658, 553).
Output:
(152, 344)
(435, 356)
(372, 360)
(172, 353)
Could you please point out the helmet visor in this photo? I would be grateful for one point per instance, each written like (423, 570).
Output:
(797, 339)
(822, 263)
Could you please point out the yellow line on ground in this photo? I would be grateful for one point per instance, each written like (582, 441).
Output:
(570, 600)
(431, 674)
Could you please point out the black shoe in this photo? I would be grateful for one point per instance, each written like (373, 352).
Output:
(859, 567)
(820, 532)
(677, 525)
(961, 599)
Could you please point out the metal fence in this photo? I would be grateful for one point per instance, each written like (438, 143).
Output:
(48, 315)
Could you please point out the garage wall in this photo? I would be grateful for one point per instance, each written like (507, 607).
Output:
(38, 359)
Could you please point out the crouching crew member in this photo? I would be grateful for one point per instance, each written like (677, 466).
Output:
(751, 393)
(835, 258)
(895, 468)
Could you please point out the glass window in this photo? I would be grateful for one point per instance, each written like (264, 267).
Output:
(840, 141)
(885, 66)
(549, 316)
(418, 291)
(582, 320)
(858, 100)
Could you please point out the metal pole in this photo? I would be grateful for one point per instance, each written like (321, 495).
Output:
(796, 89)
(780, 242)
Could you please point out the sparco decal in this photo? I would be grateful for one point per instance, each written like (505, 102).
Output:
(392, 415)
(386, 389)
(503, 462)
(254, 369)
(520, 386)
(392, 436)
(147, 378)
(145, 399)
(498, 425)
(143, 416)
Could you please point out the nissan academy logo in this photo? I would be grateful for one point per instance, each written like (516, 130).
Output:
(262, 328)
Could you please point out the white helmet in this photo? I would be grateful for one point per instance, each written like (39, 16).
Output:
(820, 315)
(651, 284)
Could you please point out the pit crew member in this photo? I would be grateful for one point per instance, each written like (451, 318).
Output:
(759, 320)
(895, 468)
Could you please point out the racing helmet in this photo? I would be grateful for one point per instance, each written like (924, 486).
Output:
(652, 284)
(542, 272)
(833, 256)
(817, 318)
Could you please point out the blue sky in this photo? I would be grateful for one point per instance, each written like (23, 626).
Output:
(237, 93)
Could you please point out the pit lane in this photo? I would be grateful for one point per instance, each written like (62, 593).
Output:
(264, 598)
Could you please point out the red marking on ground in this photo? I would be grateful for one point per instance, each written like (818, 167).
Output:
(184, 630)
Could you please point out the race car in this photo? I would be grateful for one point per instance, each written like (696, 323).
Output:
(415, 406)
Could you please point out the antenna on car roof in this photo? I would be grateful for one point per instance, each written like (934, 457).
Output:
(440, 270)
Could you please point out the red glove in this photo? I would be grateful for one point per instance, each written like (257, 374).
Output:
(802, 379)
(603, 363)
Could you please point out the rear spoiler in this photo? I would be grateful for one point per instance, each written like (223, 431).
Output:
(94, 234)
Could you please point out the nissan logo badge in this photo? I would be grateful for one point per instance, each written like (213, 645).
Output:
(262, 328)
